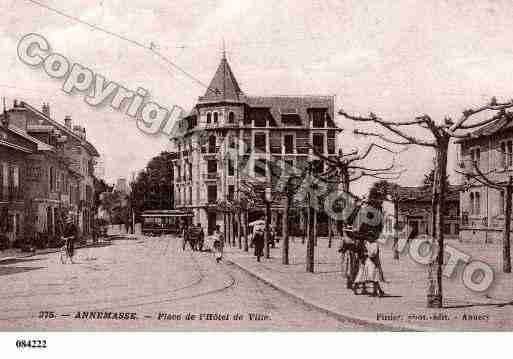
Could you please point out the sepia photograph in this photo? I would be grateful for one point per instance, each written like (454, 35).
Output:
(255, 166)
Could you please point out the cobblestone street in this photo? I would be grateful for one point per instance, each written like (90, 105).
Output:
(147, 277)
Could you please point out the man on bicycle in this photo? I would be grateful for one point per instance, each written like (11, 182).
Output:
(70, 234)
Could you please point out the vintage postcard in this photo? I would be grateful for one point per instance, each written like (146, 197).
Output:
(255, 166)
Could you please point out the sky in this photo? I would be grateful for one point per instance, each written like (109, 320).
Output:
(397, 59)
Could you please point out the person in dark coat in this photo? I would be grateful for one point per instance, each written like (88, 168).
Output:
(258, 242)
(201, 237)
(70, 234)
(413, 234)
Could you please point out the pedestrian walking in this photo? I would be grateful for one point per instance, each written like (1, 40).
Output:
(258, 243)
(183, 232)
(218, 245)
(201, 238)
(272, 237)
(351, 253)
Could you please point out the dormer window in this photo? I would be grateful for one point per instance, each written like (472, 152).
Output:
(209, 118)
(318, 118)
(231, 117)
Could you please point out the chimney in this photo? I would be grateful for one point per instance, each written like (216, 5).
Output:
(5, 118)
(67, 121)
(46, 109)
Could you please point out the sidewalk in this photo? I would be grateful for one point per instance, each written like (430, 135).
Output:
(405, 306)
(13, 253)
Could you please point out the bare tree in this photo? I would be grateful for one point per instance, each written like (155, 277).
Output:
(347, 168)
(439, 136)
(288, 182)
(474, 175)
(343, 169)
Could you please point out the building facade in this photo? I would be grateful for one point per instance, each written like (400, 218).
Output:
(415, 214)
(60, 174)
(14, 150)
(482, 208)
(229, 137)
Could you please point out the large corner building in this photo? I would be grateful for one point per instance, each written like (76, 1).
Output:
(258, 129)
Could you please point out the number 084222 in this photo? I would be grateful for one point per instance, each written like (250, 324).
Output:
(30, 343)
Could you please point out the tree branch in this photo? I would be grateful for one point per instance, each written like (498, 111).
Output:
(493, 105)
(358, 157)
(391, 126)
(381, 137)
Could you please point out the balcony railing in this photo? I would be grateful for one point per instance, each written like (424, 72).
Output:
(211, 176)
(10, 194)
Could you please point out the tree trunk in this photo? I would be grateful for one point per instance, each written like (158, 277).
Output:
(315, 226)
(506, 252)
(435, 293)
(310, 244)
(285, 228)
(232, 229)
(245, 230)
(304, 227)
(396, 228)
(239, 231)
(330, 232)
(267, 250)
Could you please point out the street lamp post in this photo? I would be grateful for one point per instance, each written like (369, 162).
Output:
(268, 199)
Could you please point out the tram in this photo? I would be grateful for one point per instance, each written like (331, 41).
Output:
(168, 221)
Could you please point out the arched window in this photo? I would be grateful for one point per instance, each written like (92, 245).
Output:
(209, 117)
(472, 202)
(215, 117)
(231, 117)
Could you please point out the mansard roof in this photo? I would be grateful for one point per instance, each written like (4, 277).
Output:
(293, 106)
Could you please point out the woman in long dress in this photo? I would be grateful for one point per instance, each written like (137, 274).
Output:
(370, 271)
(218, 245)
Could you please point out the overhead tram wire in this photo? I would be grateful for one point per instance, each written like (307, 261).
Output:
(124, 38)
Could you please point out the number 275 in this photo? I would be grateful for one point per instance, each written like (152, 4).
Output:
(46, 315)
